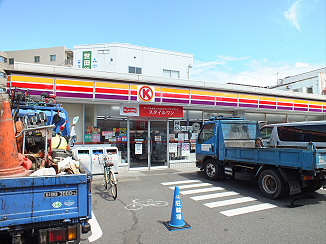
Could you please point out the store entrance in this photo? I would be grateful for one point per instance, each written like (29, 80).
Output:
(148, 143)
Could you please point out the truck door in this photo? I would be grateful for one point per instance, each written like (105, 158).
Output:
(206, 142)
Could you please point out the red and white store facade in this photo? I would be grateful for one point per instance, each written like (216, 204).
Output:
(154, 122)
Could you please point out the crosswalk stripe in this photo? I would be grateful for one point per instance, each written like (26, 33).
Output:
(180, 182)
(192, 186)
(229, 202)
(215, 195)
(201, 190)
(244, 210)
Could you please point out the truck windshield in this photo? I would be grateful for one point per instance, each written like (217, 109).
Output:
(206, 133)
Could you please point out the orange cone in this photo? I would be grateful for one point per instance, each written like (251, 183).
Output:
(9, 161)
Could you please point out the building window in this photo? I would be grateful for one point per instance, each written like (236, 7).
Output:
(135, 70)
(309, 90)
(37, 59)
(53, 57)
(11, 61)
(171, 73)
(2, 75)
(3, 59)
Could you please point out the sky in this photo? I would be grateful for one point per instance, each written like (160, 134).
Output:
(251, 42)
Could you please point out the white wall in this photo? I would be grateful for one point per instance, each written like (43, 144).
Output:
(117, 57)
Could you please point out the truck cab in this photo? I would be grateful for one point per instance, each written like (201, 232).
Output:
(219, 133)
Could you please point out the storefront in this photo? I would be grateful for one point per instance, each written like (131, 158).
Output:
(145, 135)
(154, 122)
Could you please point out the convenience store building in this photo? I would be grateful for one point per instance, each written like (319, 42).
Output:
(154, 121)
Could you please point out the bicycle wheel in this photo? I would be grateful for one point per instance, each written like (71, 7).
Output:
(105, 179)
(113, 185)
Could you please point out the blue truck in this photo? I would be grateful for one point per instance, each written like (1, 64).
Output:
(231, 147)
(44, 208)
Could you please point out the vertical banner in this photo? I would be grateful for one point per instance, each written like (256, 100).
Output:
(87, 59)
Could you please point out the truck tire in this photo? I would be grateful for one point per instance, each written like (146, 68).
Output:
(211, 170)
(271, 184)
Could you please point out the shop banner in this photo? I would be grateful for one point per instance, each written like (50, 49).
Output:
(129, 109)
(160, 111)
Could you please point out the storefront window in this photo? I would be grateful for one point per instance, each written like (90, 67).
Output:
(182, 139)
(103, 125)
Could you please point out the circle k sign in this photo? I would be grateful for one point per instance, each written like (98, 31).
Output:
(146, 93)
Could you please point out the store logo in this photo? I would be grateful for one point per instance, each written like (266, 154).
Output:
(129, 110)
(146, 93)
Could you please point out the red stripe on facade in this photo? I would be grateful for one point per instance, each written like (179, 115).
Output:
(112, 91)
(227, 99)
(267, 102)
(301, 105)
(285, 104)
(248, 101)
(32, 86)
(176, 95)
(74, 88)
(134, 92)
(203, 97)
(315, 106)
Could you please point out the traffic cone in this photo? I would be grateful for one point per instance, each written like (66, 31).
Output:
(9, 161)
(177, 219)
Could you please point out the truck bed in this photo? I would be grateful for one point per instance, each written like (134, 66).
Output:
(305, 159)
(26, 200)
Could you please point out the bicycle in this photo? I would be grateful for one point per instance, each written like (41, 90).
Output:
(109, 179)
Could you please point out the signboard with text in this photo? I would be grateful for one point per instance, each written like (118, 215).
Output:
(160, 111)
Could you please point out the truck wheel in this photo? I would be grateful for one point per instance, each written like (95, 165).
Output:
(271, 184)
(211, 170)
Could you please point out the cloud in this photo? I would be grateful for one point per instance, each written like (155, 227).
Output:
(253, 72)
(301, 65)
(292, 14)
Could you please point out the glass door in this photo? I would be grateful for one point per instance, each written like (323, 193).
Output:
(138, 143)
(148, 143)
(158, 143)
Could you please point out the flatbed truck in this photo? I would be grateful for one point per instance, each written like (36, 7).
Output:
(232, 147)
(43, 207)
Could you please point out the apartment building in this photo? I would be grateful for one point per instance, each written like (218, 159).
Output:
(313, 82)
(3, 66)
(57, 56)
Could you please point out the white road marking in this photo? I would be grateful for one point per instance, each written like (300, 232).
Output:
(95, 228)
(191, 186)
(244, 210)
(215, 195)
(229, 202)
(232, 212)
(179, 182)
(194, 191)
